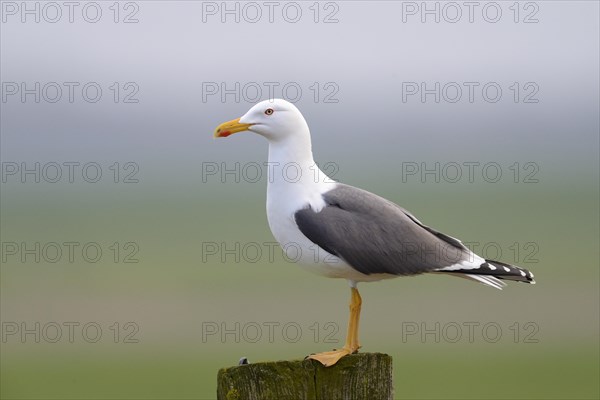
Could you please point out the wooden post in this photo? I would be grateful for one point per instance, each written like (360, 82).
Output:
(355, 377)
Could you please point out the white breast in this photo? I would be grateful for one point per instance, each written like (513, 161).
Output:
(284, 199)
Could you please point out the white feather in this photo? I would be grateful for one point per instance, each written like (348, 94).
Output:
(485, 279)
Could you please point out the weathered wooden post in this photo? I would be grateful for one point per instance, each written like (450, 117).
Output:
(355, 377)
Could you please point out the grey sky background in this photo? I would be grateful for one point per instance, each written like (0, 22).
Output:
(172, 55)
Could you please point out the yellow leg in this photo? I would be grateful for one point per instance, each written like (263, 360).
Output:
(329, 358)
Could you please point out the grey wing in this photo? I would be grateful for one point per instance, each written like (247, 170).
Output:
(374, 235)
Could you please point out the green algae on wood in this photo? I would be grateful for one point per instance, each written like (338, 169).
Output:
(354, 377)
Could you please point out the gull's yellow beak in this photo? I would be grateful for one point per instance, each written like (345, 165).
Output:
(230, 127)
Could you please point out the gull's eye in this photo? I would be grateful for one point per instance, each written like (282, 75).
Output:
(269, 111)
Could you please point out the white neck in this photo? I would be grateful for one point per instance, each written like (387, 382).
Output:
(293, 175)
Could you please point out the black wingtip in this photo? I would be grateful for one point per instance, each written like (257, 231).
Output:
(496, 269)
(506, 271)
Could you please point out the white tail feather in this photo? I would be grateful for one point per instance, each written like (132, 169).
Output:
(485, 279)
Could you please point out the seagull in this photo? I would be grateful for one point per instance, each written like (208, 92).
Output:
(340, 231)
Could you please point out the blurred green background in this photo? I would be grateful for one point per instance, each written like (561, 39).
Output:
(171, 294)
(158, 315)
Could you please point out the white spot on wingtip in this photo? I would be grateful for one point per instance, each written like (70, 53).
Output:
(493, 268)
(507, 269)
(523, 273)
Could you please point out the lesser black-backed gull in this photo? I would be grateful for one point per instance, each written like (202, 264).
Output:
(358, 235)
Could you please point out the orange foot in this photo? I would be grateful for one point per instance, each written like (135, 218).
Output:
(329, 358)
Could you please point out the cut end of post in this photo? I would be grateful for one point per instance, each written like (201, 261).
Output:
(355, 377)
